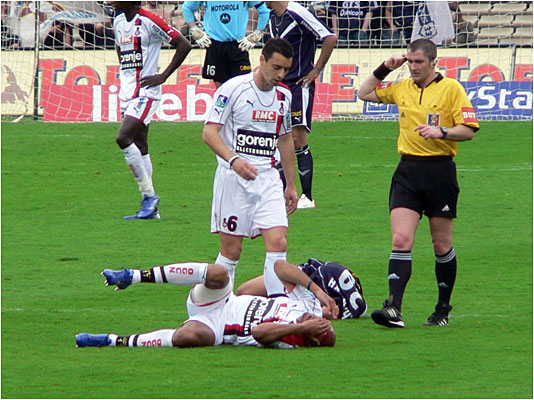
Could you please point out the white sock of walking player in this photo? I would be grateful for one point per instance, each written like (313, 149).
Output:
(273, 284)
(230, 265)
(133, 157)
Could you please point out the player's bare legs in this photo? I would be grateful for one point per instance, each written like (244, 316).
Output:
(132, 138)
(231, 248)
(193, 334)
(276, 245)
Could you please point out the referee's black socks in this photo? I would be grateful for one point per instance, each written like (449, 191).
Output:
(446, 267)
(400, 271)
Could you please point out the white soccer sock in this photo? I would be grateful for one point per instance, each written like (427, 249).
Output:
(273, 284)
(230, 265)
(160, 338)
(148, 164)
(133, 157)
(113, 338)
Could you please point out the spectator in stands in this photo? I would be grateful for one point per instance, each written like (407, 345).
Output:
(9, 40)
(100, 35)
(380, 24)
(59, 36)
(178, 18)
(320, 10)
(157, 8)
(403, 13)
(463, 30)
(349, 21)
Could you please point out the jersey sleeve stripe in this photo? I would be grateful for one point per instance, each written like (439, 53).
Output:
(171, 31)
(310, 20)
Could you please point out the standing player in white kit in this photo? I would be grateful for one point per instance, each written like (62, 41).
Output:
(138, 36)
(251, 118)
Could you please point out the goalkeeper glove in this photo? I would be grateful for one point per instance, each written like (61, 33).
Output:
(248, 42)
(201, 37)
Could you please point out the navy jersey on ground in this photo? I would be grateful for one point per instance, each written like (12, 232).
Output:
(340, 283)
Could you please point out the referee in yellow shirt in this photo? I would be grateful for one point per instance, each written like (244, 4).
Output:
(435, 114)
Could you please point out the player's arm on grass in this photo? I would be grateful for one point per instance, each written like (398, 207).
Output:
(288, 272)
(287, 157)
(212, 137)
(269, 332)
(183, 47)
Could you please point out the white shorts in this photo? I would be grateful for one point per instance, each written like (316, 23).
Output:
(243, 208)
(207, 307)
(141, 108)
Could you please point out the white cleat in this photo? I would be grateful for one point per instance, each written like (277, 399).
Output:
(304, 203)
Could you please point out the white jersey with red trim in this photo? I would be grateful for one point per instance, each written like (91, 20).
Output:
(139, 43)
(243, 313)
(252, 119)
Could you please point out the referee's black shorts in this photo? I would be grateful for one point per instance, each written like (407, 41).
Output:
(224, 60)
(428, 185)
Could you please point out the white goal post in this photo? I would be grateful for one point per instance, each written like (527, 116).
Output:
(59, 62)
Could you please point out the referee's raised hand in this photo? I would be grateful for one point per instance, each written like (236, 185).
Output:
(395, 61)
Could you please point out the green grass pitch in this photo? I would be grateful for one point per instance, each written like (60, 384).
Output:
(66, 187)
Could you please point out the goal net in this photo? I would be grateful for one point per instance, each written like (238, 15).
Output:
(59, 61)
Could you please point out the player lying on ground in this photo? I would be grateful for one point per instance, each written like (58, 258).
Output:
(338, 281)
(217, 316)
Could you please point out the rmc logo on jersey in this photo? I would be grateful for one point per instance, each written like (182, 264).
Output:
(127, 39)
(264, 116)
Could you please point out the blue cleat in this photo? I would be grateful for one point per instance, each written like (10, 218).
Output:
(155, 215)
(88, 340)
(122, 278)
(149, 206)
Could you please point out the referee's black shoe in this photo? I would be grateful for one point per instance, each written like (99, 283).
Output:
(440, 317)
(388, 316)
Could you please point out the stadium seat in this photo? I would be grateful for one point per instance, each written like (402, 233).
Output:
(495, 33)
(487, 21)
(475, 8)
(523, 20)
(523, 32)
(473, 18)
(508, 8)
(522, 41)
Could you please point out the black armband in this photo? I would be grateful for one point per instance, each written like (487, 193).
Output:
(232, 160)
(381, 72)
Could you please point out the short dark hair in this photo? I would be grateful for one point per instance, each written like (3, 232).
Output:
(277, 45)
(429, 48)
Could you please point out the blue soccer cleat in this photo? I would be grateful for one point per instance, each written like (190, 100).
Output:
(122, 278)
(88, 340)
(149, 209)
(155, 215)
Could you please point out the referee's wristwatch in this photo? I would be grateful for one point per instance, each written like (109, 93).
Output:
(444, 131)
